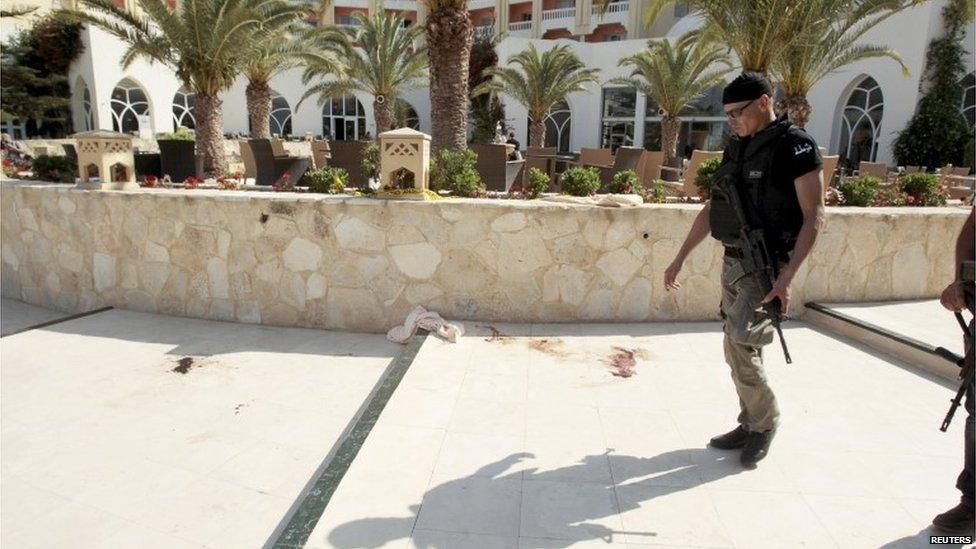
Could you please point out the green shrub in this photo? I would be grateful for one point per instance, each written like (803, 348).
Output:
(538, 182)
(181, 134)
(705, 178)
(859, 191)
(625, 182)
(580, 181)
(371, 160)
(454, 170)
(60, 169)
(655, 194)
(329, 179)
(889, 195)
(922, 189)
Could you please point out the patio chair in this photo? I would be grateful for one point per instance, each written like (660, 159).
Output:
(536, 157)
(269, 168)
(627, 158)
(498, 173)
(277, 145)
(348, 155)
(957, 181)
(178, 159)
(829, 170)
(876, 169)
(649, 167)
(320, 154)
(247, 158)
(70, 151)
(688, 174)
(596, 157)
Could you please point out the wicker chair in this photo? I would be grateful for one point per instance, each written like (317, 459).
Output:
(689, 174)
(348, 155)
(497, 172)
(320, 153)
(269, 168)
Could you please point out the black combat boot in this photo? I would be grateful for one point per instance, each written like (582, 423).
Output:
(756, 447)
(736, 438)
(961, 519)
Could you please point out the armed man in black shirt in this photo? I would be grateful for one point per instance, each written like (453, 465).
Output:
(774, 169)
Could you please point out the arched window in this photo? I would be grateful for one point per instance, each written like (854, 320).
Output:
(343, 118)
(619, 108)
(128, 102)
(559, 124)
(861, 123)
(968, 103)
(280, 115)
(405, 116)
(703, 124)
(183, 109)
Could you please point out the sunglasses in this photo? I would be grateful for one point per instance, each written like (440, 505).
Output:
(737, 112)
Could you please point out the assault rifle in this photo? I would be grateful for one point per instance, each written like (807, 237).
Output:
(966, 364)
(757, 261)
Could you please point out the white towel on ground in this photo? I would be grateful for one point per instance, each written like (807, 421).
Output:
(428, 320)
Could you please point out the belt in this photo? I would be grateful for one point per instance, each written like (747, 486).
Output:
(734, 253)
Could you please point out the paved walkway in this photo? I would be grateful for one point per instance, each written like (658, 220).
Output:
(518, 436)
(530, 441)
(107, 444)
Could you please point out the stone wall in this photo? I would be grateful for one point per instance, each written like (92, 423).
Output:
(362, 264)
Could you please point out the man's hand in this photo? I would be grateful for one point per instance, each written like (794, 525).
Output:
(953, 297)
(781, 289)
(671, 275)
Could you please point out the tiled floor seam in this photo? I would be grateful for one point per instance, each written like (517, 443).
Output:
(300, 521)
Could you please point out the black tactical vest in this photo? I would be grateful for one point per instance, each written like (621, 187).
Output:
(746, 167)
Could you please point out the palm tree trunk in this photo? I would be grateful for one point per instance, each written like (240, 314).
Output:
(537, 132)
(670, 127)
(383, 115)
(449, 32)
(209, 135)
(259, 109)
(798, 107)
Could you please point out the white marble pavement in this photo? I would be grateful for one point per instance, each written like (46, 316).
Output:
(104, 445)
(531, 442)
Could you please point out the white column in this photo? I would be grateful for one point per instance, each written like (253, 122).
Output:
(639, 123)
(584, 9)
(635, 19)
(327, 17)
(536, 18)
(501, 18)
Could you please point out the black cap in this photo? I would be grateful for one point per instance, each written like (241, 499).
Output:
(746, 86)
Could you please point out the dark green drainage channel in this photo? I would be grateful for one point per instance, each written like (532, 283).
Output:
(58, 321)
(306, 516)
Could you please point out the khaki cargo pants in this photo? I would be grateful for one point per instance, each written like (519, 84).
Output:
(747, 329)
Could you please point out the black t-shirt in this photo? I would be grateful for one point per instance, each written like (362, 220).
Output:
(796, 154)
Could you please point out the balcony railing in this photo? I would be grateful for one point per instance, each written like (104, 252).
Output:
(614, 7)
(560, 13)
(520, 26)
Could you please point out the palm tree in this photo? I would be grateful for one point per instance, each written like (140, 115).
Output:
(539, 83)
(797, 43)
(674, 76)
(449, 36)
(205, 42)
(383, 64)
(290, 48)
(824, 48)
